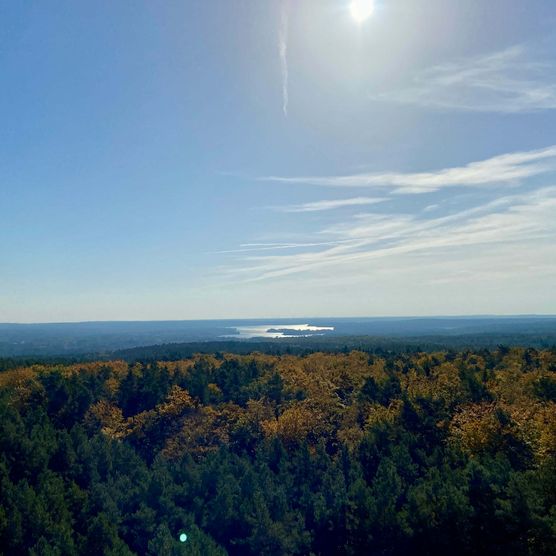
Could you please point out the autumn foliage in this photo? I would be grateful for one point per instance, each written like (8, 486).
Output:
(352, 453)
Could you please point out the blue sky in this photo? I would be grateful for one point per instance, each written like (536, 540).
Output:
(175, 160)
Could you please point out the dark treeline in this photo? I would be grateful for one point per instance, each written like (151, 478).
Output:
(261, 454)
(382, 346)
(9, 363)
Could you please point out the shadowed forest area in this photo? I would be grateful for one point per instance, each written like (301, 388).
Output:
(323, 454)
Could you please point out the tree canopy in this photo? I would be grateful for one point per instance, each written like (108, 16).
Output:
(259, 454)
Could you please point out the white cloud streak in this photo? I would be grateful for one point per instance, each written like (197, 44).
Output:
(283, 51)
(318, 206)
(506, 168)
(256, 247)
(509, 81)
(525, 219)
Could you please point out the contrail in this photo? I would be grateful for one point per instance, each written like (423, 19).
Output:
(283, 49)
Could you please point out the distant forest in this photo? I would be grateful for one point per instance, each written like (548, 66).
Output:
(386, 453)
(110, 340)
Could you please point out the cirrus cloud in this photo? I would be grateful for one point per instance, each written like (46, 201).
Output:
(511, 167)
(514, 80)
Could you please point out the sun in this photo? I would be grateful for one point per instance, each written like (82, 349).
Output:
(361, 10)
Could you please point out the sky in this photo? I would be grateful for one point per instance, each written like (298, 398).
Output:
(277, 158)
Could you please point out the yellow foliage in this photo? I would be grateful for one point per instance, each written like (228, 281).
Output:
(295, 424)
(177, 402)
(378, 414)
(475, 427)
(19, 379)
(198, 435)
(109, 418)
(442, 383)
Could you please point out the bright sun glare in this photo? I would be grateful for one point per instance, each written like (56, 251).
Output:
(362, 9)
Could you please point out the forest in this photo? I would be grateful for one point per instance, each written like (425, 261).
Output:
(273, 454)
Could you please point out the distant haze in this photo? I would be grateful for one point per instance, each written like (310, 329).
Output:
(105, 337)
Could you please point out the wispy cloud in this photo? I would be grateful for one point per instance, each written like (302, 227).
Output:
(512, 167)
(509, 81)
(283, 33)
(525, 219)
(318, 206)
(257, 247)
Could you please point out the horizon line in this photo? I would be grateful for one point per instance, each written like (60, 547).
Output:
(378, 317)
